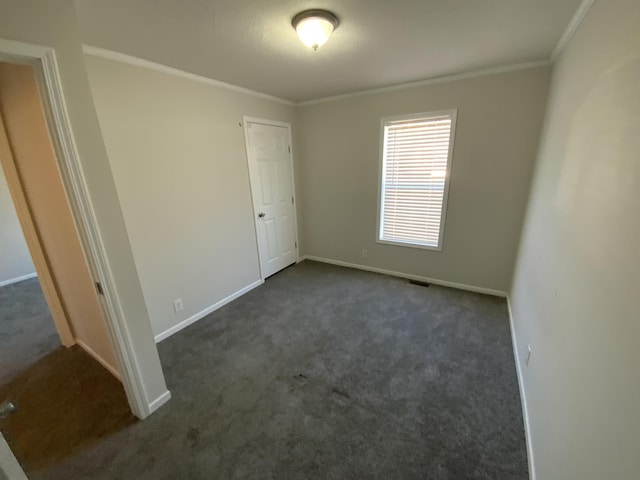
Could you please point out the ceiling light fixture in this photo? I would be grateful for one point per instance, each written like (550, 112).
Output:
(314, 27)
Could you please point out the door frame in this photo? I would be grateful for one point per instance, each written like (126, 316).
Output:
(43, 58)
(273, 123)
(32, 239)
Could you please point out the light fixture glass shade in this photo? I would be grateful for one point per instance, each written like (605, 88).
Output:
(314, 27)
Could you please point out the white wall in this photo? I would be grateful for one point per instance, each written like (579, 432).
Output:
(53, 23)
(575, 292)
(498, 128)
(177, 152)
(15, 259)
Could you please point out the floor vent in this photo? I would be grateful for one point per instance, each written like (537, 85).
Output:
(419, 283)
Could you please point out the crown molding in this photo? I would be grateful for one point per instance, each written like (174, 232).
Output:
(431, 81)
(571, 29)
(139, 62)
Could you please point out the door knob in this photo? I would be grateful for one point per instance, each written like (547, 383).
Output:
(261, 214)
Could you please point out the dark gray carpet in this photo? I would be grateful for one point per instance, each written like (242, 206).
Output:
(330, 373)
(27, 331)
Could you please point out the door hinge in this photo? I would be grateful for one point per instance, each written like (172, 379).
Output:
(99, 288)
(296, 244)
(292, 200)
(289, 148)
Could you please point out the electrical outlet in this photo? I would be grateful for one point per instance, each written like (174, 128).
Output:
(526, 362)
(177, 305)
(364, 252)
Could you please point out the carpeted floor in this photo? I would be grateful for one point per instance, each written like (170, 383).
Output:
(27, 332)
(66, 401)
(330, 373)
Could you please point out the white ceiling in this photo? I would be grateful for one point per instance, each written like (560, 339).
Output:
(250, 43)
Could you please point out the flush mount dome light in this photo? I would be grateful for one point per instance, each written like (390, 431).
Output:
(314, 27)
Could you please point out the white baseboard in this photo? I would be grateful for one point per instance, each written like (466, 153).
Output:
(523, 396)
(18, 279)
(194, 318)
(435, 281)
(153, 406)
(99, 359)
(158, 402)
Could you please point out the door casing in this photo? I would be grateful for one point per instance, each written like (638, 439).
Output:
(44, 61)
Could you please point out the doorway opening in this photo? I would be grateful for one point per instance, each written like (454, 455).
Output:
(131, 338)
(58, 364)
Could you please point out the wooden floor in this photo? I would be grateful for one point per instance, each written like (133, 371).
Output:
(66, 402)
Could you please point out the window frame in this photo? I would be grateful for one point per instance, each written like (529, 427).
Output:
(453, 113)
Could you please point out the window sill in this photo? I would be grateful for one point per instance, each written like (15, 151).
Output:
(409, 245)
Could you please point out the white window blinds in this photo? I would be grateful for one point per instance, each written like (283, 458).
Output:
(415, 173)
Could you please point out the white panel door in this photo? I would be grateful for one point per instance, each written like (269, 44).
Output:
(270, 169)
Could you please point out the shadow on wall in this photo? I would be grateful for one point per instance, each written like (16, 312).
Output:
(588, 192)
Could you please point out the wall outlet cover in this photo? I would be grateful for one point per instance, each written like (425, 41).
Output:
(177, 305)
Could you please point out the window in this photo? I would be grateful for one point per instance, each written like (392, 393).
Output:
(415, 171)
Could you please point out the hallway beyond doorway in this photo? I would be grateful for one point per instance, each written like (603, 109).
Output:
(27, 332)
